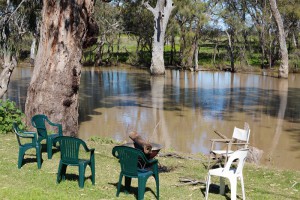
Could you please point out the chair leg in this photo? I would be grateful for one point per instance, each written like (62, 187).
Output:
(49, 148)
(38, 156)
(141, 187)
(207, 186)
(59, 172)
(157, 186)
(222, 185)
(119, 184)
(20, 159)
(63, 171)
(243, 189)
(233, 185)
(81, 175)
(127, 184)
(208, 165)
(92, 165)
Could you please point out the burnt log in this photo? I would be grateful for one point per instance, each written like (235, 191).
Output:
(140, 143)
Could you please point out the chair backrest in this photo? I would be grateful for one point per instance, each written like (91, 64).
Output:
(69, 148)
(239, 155)
(242, 134)
(38, 121)
(17, 131)
(129, 159)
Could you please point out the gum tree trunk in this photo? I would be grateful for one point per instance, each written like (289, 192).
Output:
(53, 90)
(10, 63)
(284, 64)
(161, 13)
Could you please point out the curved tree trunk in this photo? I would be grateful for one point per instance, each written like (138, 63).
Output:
(10, 63)
(284, 64)
(53, 90)
(161, 12)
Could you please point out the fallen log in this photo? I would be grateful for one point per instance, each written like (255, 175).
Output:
(140, 143)
(189, 181)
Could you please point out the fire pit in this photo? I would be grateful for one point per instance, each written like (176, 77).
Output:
(155, 148)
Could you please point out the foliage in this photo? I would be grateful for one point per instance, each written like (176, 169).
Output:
(102, 140)
(9, 114)
(110, 26)
(191, 17)
(32, 183)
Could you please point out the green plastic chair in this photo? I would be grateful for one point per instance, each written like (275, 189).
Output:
(39, 122)
(69, 155)
(23, 147)
(134, 164)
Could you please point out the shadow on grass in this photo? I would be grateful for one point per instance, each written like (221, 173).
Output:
(31, 159)
(44, 149)
(132, 190)
(75, 177)
(215, 189)
(166, 169)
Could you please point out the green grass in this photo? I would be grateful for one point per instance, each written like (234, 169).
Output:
(31, 183)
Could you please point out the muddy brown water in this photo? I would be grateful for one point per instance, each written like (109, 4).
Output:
(182, 109)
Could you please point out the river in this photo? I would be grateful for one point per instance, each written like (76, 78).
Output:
(182, 109)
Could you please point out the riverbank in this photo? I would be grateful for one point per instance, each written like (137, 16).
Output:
(31, 183)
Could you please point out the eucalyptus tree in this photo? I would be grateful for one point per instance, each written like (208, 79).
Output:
(14, 24)
(172, 33)
(290, 12)
(284, 64)
(191, 17)
(260, 15)
(233, 15)
(138, 26)
(161, 13)
(110, 23)
(66, 28)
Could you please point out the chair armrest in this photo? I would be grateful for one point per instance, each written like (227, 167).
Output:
(240, 143)
(91, 150)
(57, 125)
(27, 134)
(86, 147)
(221, 140)
(225, 141)
(114, 153)
(152, 161)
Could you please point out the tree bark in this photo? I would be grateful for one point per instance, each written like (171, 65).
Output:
(196, 52)
(161, 12)
(230, 48)
(10, 63)
(66, 27)
(32, 50)
(284, 64)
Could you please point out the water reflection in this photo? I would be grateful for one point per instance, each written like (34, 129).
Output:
(182, 109)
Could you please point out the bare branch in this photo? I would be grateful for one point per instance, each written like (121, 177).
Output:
(150, 8)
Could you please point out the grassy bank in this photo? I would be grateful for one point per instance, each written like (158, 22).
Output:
(31, 183)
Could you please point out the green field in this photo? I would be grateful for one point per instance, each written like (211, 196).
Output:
(31, 183)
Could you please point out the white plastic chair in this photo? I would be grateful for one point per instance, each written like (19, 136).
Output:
(231, 173)
(240, 138)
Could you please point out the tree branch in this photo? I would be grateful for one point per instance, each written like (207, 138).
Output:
(13, 11)
(150, 8)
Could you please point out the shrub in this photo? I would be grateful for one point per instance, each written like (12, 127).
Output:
(9, 114)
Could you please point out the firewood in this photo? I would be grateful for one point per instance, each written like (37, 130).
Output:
(140, 143)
